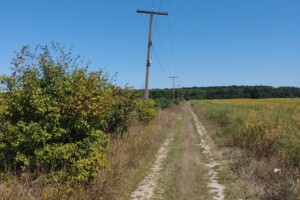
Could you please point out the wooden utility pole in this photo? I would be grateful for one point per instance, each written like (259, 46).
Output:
(151, 13)
(173, 77)
(178, 88)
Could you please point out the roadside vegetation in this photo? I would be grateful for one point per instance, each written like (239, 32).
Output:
(68, 132)
(262, 141)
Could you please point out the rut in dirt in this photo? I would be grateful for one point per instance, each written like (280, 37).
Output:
(215, 187)
(146, 188)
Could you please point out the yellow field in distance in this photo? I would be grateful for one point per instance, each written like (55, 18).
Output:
(284, 102)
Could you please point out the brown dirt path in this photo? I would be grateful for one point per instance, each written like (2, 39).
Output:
(184, 165)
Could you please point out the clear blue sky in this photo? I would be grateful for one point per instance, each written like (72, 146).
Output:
(204, 42)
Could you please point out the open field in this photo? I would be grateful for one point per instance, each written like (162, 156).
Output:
(262, 141)
(280, 102)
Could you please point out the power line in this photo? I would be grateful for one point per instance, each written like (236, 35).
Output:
(167, 64)
(171, 44)
(156, 31)
(138, 3)
(158, 60)
(170, 4)
(141, 17)
(144, 23)
(160, 5)
(156, 21)
(162, 68)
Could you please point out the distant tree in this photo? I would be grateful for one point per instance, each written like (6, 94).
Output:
(230, 92)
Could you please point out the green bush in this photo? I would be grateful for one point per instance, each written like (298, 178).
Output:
(162, 103)
(58, 115)
(146, 110)
(123, 106)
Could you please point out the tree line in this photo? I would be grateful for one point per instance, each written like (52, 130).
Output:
(226, 92)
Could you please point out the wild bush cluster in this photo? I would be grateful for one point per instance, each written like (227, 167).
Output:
(267, 131)
(56, 116)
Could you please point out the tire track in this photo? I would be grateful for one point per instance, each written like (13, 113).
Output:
(146, 188)
(215, 187)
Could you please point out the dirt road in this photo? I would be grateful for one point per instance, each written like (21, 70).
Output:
(184, 167)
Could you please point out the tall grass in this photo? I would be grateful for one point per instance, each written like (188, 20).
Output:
(266, 133)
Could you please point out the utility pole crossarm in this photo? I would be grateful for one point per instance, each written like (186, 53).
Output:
(152, 12)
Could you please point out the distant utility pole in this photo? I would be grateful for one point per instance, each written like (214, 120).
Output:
(173, 77)
(178, 88)
(151, 13)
